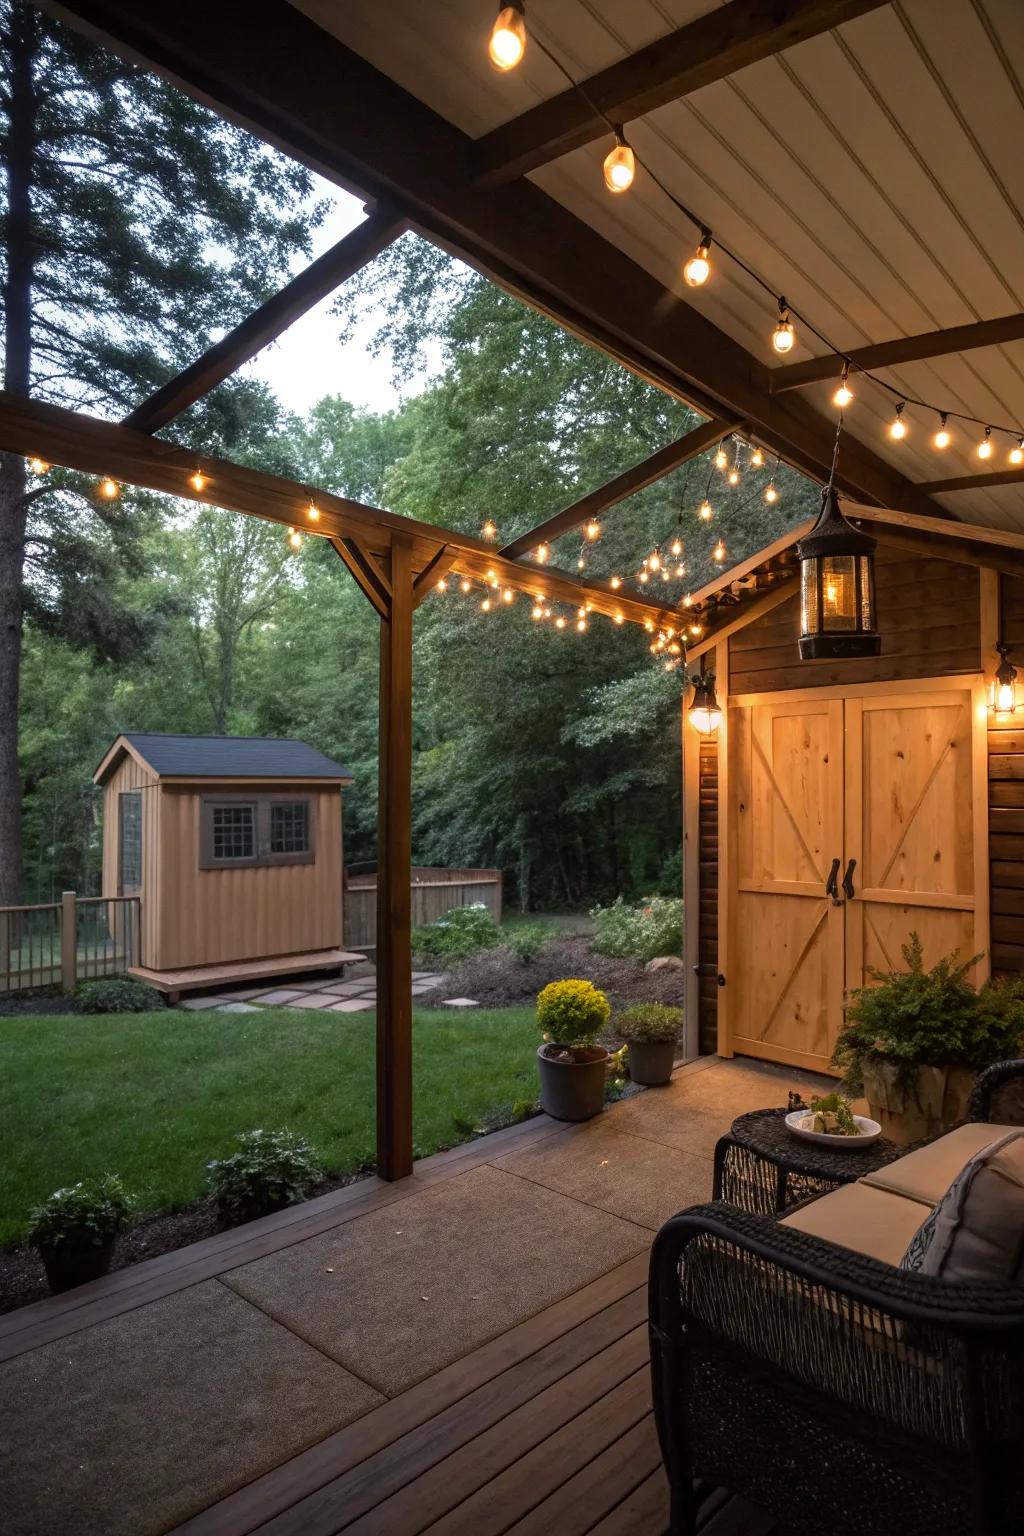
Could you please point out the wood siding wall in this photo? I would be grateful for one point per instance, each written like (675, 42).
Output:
(1006, 805)
(211, 916)
(707, 950)
(130, 775)
(928, 615)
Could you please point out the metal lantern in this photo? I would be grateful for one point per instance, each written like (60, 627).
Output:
(704, 713)
(1002, 691)
(837, 587)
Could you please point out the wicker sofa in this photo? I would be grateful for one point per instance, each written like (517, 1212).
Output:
(837, 1392)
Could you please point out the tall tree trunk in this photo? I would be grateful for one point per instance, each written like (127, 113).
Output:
(17, 301)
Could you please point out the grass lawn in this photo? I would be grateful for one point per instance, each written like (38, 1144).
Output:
(154, 1096)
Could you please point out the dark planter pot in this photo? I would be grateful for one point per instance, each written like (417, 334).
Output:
(67, 1266)
(572, 1090)
(651, 1061)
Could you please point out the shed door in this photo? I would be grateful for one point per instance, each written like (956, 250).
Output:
(786, 946)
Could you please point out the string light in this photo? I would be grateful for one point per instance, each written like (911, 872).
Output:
(581, 625)
(698, 269)
(581, 564)
(943, 437)
(706, 512)
(771, 494)
(508, 37)
(486, 605)
(618, 618)
(898, 427)
(295, 538)
(560, 622)
(465, 586)
(654, 561)
(542, 553)
(844, 394)
(537, 612)
(643, 578)
(508, 596)
(984, 448)
(734, 476)
(721, 459)
(197, 481)
(442, 585)
(593, 530)
(313, 512)
(619, 165)
(109, 489)
(718, 553)
(615, 583)
(38, 466)
(489, 530)
(783, 335)
(1017, 452)
(677, 547)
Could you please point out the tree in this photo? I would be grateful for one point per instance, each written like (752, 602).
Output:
(136, 224)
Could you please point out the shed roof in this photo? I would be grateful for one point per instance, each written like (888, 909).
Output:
(222, 757)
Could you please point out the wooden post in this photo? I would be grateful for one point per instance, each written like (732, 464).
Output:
(394, 875)
(68, 941)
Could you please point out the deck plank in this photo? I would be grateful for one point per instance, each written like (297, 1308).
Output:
(643, 1512)
(596, 1489)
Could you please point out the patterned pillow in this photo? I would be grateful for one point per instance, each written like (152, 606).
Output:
(975, 1235)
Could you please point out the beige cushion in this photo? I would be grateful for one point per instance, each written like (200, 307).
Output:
(975, 1235)
(926, 1174)
(867, 1220)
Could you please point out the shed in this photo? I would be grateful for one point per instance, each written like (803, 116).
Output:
(889, 773)
(233, 846)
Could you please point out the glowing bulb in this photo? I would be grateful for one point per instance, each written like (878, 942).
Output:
(442, 585)
(581, 625)
(644, 578)
(109, 489)
(618, 619)
(943, 436)
(616, 583)
(508, 596)
(830, 592)
(197, 481)
(38, 466)
(313, 512)
(718, 553)
(649, 625)
(541, 553)
(491, 577)
(465, 586)
(655, 561)
(294, 538)
(783, 335)
(593, 530)
(1005, 698)
(756, 458)
(537, 612)
(984, 449)
(721, 459)
(489, 530)
(1017, 452)
(695, 630)
(508, 37)
(580, 563)
(560, 622)
(680, 570)
(698, 269)
(705, 511)
(687, 601)
(665, 575)
(619, 165)
(677, 547)
(898, 427)
(844, 394)
(771, 494)
(734, 477)
(486, 605)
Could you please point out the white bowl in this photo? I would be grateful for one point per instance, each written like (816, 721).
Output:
(801, 1120)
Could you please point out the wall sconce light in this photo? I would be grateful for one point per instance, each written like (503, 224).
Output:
(704, 712)
(1002, 690)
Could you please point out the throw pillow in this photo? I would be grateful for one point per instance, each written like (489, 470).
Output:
(975, 1235)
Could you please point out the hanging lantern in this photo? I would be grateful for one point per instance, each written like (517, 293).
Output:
(704, 713)
(837, 587)
(1002, 690)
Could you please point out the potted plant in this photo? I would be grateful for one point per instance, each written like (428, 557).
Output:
(75, 1230)
(914, 1042)
(571, 1015)
(651, 1030)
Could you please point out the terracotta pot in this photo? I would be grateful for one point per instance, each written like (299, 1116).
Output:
(651, 1061)
(67, 1265)
(572, 1090)
(934, 1099)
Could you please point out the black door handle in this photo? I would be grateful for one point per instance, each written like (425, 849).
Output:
(830, 883)
(848, 879)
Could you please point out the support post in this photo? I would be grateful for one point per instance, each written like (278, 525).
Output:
(68, 941)
(394, 875)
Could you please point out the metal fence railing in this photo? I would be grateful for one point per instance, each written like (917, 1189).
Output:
(60, 943)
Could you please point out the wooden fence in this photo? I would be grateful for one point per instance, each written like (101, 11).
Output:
(434, 892)
(61, 943)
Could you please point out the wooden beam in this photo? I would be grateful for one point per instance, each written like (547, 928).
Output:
(627, 484)
(981, 482)
(268, 322)
(742, 617)
(321, 102)
(711, 48)
(903, 349)
(106, 448)
(961, 551)
(950, 532)
(436, 570)
(394, 876)
(744, 567)
(366, 573)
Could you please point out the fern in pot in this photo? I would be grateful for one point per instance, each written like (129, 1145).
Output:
(75, 1230)
(572, 1065)
(651, 1030)
(914, 1042)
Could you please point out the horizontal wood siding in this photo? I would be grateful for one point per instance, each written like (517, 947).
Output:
(216, 915)
(1006, 805)
(707, 953)
(928, 615)
(131, 775)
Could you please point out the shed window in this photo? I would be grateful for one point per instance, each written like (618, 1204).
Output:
(234, 832)
(261, 829)
(129, 815)
(289, 826)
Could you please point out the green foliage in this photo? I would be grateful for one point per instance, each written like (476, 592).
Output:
(461, 932)
(572, 1013)
(935, 1017)
(653, 928)
(117, 994)
(649, 1022)
(836, 1114)
(270, 1170)
(89, 1214)
(525, 942)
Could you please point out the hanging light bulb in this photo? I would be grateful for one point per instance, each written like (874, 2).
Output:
(486, 605)
(465, 586)
(560, 622)
(618, 618)
(734, 476)
(615, 583)
(844, 394)
(898, 427)
(783, 335)
(718, 553)
(197, 481)
(542, 553)
(537, 612)
(581, 563)
(666, 574)
(704, 713)
(677, 547)
(698, 269)
(643, 578)
(943, 436)
(654, 561)
(771, 494)
(489, 530)
(294, 538)
(984, 449)
(442, 585)
(721, 459)
(593, 530)
(508, 37)
(38, 466)
(706, 513)
(508, 596)
(619, 165)
(756, 459)
(581, 625)
(109, 489)
(313, 512)
(680, 569)
(1017, 452)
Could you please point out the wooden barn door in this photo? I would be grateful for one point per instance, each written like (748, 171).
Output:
(786, 830)
(916, 818)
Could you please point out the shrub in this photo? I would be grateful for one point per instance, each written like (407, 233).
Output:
(525, 943)
(461, 932)
(653, 928)
(89, 1214)
(572, 1013)
(118, 994)
(934, 1018)
(270, 1170)
(648, 1022)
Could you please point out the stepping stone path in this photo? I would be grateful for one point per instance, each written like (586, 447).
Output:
(355, 993)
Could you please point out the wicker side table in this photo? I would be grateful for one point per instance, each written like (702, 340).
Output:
(761, 1166)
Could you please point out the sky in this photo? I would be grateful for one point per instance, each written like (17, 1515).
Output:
(311, 359)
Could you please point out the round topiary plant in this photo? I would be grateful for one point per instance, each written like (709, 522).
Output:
(572, 1066)
(649, 1022)
(572, 1014)
(270, 1170)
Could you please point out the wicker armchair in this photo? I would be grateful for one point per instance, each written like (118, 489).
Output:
(839, 1394)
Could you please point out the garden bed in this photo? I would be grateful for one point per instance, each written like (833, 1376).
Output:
(498, 978)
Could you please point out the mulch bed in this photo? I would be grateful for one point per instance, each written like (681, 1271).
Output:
(19, 1003)
(495, 978)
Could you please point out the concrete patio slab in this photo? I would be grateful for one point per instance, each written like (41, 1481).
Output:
(201, 1004)
(347, 988)
(314, 1000)
(280, 996)
(462, 1262)
(132, 1426)
(352, 1005)
(639, 1180)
